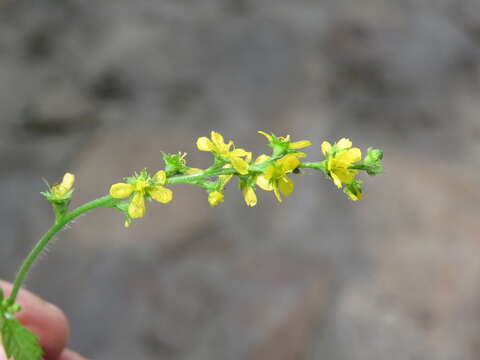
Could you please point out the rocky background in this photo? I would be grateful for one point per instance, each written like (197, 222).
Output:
(99, 88)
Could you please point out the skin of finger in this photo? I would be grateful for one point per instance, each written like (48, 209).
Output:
(68, 354)
(46, 320)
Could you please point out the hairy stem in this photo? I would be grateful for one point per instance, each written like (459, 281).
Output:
(105, 201)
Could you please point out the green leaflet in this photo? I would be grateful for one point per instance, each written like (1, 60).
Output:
(19, 342)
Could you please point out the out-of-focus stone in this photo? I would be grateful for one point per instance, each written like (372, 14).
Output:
(421, 297)
(58, 110)
(275, 301)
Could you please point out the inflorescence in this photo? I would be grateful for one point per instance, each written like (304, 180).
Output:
(341, 163)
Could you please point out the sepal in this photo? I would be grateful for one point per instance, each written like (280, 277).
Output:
(354, 190)
(175, 164)
(60, 195)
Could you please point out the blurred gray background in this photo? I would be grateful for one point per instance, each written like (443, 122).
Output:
(99, 88)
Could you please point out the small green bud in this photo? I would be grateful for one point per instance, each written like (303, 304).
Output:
(373, 161)
(374, 155)
(175, 163)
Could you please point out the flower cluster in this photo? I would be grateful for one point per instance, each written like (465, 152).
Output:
(341, 163)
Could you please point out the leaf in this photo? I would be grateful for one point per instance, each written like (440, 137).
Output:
(19, 342)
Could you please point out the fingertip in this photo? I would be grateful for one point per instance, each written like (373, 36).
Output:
(46, 320)
(68, 354)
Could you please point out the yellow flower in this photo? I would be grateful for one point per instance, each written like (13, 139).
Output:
(218, 146)
(140, 187)
(249, 196)
(215, 198)
(60, 190)
(248, 191)
(274, 178)
(292, 145)
(340, 157)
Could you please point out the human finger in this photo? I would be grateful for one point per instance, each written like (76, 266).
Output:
(42, 318)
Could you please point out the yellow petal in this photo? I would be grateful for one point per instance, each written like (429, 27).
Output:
(286, 186)
(137, 206)
(204, 144)
(289, 162)
(264, 183)
(160, 177)
(250, 196)
(240, 165)
(268, 136)
(217, 139)
(345, 176)
(300, 144)
(161, 194)
(239, 152)
(269, 173)
(277, 193)
(225, 179)
(59, 190)
(121, 190)
(261, 159)
(344, 143)
(68, 180)
(336, 180)
(326, 147)
(215, 198)
(355, 154)
(347, 157)
(299, 155)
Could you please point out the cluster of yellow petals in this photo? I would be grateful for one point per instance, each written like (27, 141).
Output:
(140, 188)
(217, 145)
(275, 176)
(65, 186)
(339, 159)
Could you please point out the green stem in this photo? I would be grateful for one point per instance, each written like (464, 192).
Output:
(191, 179)
(309, 165)
(320, 165)
(105, 201)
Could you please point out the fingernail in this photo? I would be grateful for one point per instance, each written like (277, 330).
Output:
(2, 354)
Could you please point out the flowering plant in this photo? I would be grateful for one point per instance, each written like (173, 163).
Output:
(341, 164)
